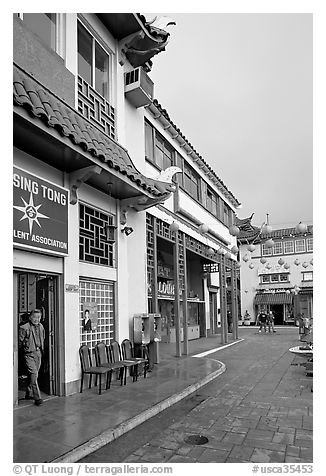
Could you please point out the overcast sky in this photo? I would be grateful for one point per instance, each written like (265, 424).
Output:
(239, 86)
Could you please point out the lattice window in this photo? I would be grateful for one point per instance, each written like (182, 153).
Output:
(102, 294)
(163, 230)
(95, 108)
(150, 251)
(93, 245)
(181, 261)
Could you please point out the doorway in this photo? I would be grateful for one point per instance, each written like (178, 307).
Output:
(39, 291)
(277, 310)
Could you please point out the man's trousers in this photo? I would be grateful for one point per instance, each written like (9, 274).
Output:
(33, 364)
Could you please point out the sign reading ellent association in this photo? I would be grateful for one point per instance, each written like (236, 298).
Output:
(40, 213)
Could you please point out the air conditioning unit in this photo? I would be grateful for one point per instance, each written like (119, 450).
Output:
(139, 88)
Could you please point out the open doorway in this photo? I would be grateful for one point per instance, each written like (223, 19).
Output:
(277, 310)
(37, 291)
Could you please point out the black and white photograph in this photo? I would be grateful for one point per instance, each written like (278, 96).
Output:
(162, 215)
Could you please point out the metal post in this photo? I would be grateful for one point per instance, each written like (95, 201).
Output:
(177, 295)
(154, 283)
(185, 295)
(222, 277)
(234, 302)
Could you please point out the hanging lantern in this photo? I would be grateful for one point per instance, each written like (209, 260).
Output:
(296, 289)
(251, 248)
(301, 228)
(263, 260)
(210, 251)
(266, 229)
(227, 255)
(234, 230)
(174, 226)
(286, 266)
(269, 243)
(268, 266)
(203, 228)
(297, 262)
(251, 266)
(245, 258)
(238, 264)
(311, 262)
(288, 291)
(281, 261)
(234, 249)
(220, 251)
(305, 264)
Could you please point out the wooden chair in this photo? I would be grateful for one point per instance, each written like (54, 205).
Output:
(128, 353)
(116, 356)
(102, 356)
(88, 368)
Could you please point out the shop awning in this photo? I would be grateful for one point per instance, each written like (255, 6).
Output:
(273, 298)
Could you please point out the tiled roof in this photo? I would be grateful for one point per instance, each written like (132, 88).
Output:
(53, 112)
(248, 232)
(167, 117)
(286, 232)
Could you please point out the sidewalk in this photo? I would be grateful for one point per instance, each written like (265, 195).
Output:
(65, 429)
(260, 380)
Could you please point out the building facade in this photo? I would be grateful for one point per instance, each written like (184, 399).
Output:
(276, 275)
(115, 213)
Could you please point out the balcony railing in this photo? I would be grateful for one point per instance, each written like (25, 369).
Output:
(95, 108)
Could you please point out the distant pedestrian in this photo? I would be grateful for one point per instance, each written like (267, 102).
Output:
(31, 340)
(262, 319)
(270, 322)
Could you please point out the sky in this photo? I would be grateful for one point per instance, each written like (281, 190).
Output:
(239, 86)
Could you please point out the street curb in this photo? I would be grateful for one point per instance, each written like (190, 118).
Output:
(113, 433)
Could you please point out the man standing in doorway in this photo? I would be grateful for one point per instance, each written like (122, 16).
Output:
(31, 340)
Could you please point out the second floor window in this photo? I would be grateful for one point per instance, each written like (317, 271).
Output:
(310, 244)
(300, 246)
(211, 202)
(288, 247)
(277, 248)
(308, 276)
(93, 62)
(265, 251)
(157, 149)
(191, 182)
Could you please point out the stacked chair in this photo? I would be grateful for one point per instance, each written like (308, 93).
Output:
(128, 353)
(112, 358)
(88, 368)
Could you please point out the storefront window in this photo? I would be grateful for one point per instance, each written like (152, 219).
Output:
(96, 297)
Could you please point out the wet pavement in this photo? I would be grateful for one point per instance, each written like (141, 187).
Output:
(259, 410)
(68, 428)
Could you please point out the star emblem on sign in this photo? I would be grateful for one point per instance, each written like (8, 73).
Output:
(30, 212)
